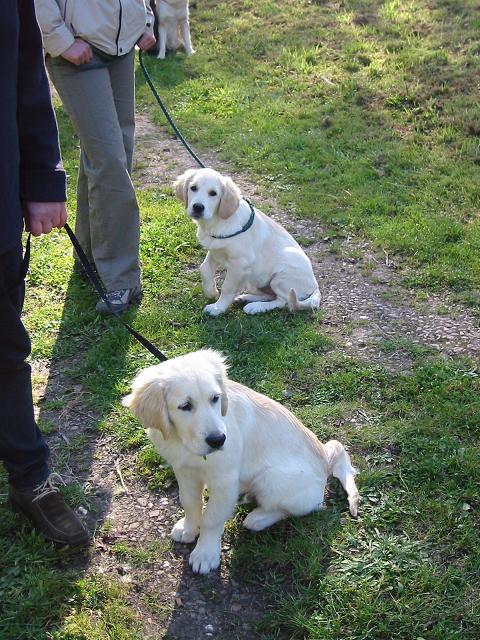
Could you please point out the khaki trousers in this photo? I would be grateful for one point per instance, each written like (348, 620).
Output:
(101, 104)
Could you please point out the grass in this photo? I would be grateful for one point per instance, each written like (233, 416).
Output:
(361, 116)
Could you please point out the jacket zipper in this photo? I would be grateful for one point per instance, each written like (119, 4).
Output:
(119, 25)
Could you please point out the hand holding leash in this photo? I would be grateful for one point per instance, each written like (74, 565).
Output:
(42, 217)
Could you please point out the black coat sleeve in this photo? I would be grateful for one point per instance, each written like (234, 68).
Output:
(42, 178)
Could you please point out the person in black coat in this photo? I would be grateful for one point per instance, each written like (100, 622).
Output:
(32, 191)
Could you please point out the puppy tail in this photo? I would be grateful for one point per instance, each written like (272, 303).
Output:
(340, 466)
(312, 302)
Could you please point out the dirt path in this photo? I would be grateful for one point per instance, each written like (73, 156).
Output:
(363, 305)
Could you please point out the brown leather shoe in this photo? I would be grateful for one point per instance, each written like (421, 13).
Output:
(46, 508)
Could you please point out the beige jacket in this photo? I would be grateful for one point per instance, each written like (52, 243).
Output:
(113, 26)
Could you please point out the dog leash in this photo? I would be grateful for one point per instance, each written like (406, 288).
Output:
(164, 110)
(95, 280)
(97, 283)
(186, 145)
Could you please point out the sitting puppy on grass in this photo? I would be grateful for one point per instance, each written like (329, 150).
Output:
(218, 434)
(262, 260)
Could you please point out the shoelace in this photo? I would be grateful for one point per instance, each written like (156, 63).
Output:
(118, 297)
(48, 487)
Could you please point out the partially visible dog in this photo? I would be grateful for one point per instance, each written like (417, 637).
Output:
(260, 256)
(173, 24)
(218, 434)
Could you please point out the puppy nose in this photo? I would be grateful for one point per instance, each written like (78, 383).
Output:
(198, 209)
(215, 440)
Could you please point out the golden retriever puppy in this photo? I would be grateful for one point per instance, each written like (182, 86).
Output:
(218, 434)
(261, 258)
(173, 26)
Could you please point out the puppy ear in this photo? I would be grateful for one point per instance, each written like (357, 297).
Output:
(181, 185)
(148, 403)
(230, 200)
(224, 400)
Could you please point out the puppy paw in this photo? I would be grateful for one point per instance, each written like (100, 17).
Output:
(182, 533)
(204, 559)
(212, 310)
(353, 505)
(255, 307)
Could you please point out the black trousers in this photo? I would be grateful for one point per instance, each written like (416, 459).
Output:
(23, 450)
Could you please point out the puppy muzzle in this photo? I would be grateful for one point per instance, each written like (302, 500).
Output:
(197, 211)
(216, 440)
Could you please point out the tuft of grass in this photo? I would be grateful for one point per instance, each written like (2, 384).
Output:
(100, 610)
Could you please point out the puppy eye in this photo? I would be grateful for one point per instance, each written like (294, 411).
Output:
(212, 193)
(215, 399)
(187, 406)
(193, 188)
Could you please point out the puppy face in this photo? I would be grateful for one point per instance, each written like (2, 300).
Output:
(184, 398)
(206, 193)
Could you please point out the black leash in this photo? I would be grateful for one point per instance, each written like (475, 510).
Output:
(165, 112)
(95, 280)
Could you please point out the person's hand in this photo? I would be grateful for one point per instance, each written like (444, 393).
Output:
(42, 217)
(79, 53)
(147, 40)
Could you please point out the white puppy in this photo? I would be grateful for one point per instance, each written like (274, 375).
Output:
(261, 257)
(173, 26)
(218, 434)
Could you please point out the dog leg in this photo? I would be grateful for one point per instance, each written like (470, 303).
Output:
(172, 38)
(252, 297)
(187, 529)
(232, 284)
(286, 492)
(261, 307)
(207, 273)
(259, 519)
(162, 42)
(220, 507)
(341, 468)
(185, 31)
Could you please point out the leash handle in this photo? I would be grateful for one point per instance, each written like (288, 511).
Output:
(165, 112)
(97, 283)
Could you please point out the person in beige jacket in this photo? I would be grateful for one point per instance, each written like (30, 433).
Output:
(90, 49)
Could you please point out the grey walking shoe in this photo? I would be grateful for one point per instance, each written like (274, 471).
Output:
(46, 508)
(120, 300)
